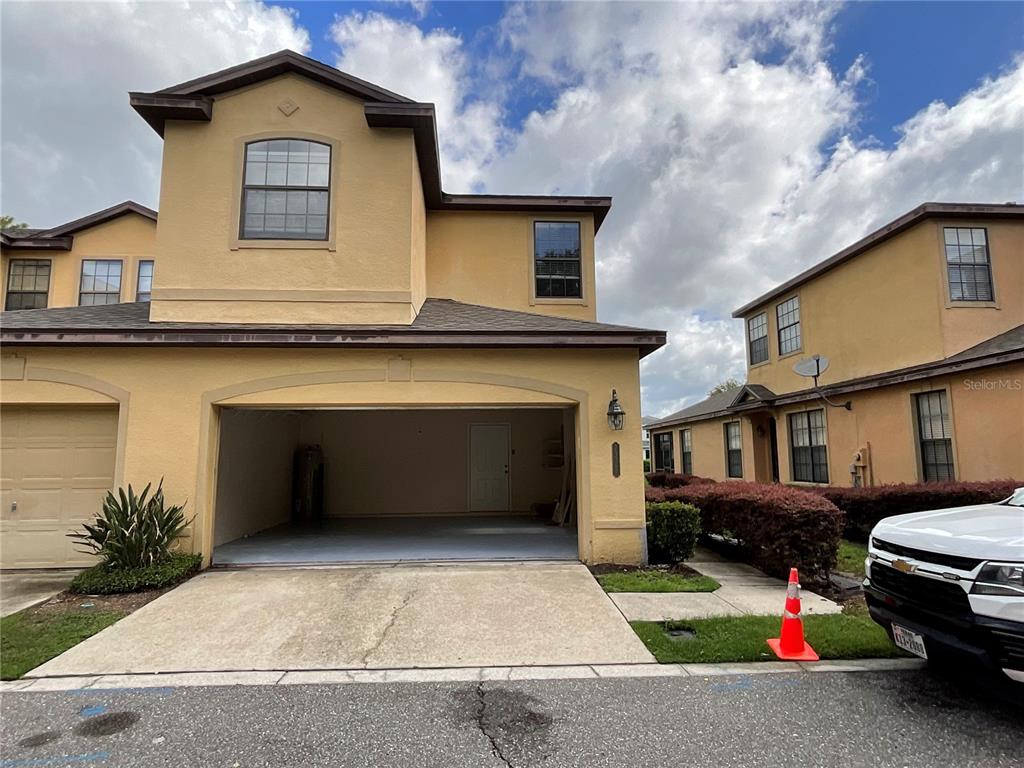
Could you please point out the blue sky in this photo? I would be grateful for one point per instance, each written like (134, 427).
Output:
(916, 52)
(741, 142)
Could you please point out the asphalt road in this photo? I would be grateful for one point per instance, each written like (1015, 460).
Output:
(903, 719)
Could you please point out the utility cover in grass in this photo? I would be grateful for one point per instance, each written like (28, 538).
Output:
(742, 638)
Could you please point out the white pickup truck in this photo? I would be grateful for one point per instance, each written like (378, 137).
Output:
(949, 584)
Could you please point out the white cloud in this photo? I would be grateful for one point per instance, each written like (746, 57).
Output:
(71, 143)
(428, 67)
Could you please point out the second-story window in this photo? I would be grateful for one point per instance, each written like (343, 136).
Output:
(968, 264)
(28, 284)
(788, 315)
(557, 259)
(757, 336)
(144, 286)
(286, 190)
(101, 282)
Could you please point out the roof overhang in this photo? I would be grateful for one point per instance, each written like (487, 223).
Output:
(37, 243)
(156, 109)
(949, 211)
(248, 337)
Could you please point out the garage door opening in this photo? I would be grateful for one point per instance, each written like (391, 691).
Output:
(315, 486)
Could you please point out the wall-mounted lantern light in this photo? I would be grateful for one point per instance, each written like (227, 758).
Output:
(616, 416)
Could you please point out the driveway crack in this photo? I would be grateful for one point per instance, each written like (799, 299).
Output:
(392, 620)
(481, 710)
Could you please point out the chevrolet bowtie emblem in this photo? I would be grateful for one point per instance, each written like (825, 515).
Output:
(904, 566)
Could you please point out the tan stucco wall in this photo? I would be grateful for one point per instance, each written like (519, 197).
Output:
(416, 462)
(889, 308)
(169, 400)
(987, 408)
(254, 471)
(487, 258)
(360, 274)
(130, 238)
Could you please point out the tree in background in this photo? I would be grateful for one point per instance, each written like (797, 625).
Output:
(8, 224)
(725, 386)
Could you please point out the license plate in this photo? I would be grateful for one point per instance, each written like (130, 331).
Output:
(909, 641)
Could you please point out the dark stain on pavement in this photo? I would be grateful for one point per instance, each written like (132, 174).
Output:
(106, 725)
(513, 721)
(39, 739)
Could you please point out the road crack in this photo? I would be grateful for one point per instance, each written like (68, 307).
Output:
(481, 711)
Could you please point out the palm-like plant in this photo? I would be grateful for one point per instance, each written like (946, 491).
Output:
(133, 531)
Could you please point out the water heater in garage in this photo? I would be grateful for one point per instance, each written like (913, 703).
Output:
(308, 484)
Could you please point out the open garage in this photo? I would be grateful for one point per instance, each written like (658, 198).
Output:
(330, 485)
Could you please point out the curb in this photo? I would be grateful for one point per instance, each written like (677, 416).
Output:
(442, 675)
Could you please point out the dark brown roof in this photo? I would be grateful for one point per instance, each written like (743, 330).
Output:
(714, 405)
(893, 228)
(60, 237)
(1006, 347)
(441, 322)
(192, 100)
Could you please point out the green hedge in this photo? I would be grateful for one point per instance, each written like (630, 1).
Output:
(864, 507)
(672, 531)
(101, 580)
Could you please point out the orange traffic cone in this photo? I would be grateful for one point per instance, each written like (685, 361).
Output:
(791, 645)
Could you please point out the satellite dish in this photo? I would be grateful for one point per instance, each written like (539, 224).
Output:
(812, 367)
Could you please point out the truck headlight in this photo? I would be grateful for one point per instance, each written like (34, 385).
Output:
(1005, 579)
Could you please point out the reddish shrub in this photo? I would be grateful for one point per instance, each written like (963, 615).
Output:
(779, 526)
(864, 507)
(674, 480)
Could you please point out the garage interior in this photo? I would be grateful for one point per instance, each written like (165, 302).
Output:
(339, 485)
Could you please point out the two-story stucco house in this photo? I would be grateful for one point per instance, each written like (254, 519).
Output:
(328, 356)
(922, 323)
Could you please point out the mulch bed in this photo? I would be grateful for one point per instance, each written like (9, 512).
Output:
(678, 568)
(72, 602)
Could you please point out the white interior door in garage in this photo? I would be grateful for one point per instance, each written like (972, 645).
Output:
(57, 465)
(489, 446)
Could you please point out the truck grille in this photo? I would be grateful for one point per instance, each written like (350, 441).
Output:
(930, 595)
(938, 558)
(1010, 648)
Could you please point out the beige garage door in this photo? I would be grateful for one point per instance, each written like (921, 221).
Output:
(57, 465)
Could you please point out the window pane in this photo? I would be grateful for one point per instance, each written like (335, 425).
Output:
(257, 151)
(277, 201)
(788, 315)
(255, 173)
(255, 201)
(277, 174)
(298, 174)
(145, 281)
(317, 203)
(296, 202)
(319, 174)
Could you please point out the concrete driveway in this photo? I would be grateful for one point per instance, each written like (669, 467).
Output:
(23, 589)
(365, 618)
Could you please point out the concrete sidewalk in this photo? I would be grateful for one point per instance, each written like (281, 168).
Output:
(23, 589)
(745, 591)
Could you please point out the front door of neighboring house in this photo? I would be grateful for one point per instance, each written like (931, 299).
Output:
(489, 448)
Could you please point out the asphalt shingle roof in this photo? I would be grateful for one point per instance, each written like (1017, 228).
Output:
(435, 316)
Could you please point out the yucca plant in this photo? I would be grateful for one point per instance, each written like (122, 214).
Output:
(133, 531)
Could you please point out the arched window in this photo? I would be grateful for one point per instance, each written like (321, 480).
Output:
(286, 190)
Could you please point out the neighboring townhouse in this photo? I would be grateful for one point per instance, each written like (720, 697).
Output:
(645, 436)
(106, 257)
(339, 362)
(922, 323)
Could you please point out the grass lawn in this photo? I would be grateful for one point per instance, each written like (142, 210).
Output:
(851, 557)
(742, 638)
(656, 581)
(29, 637)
